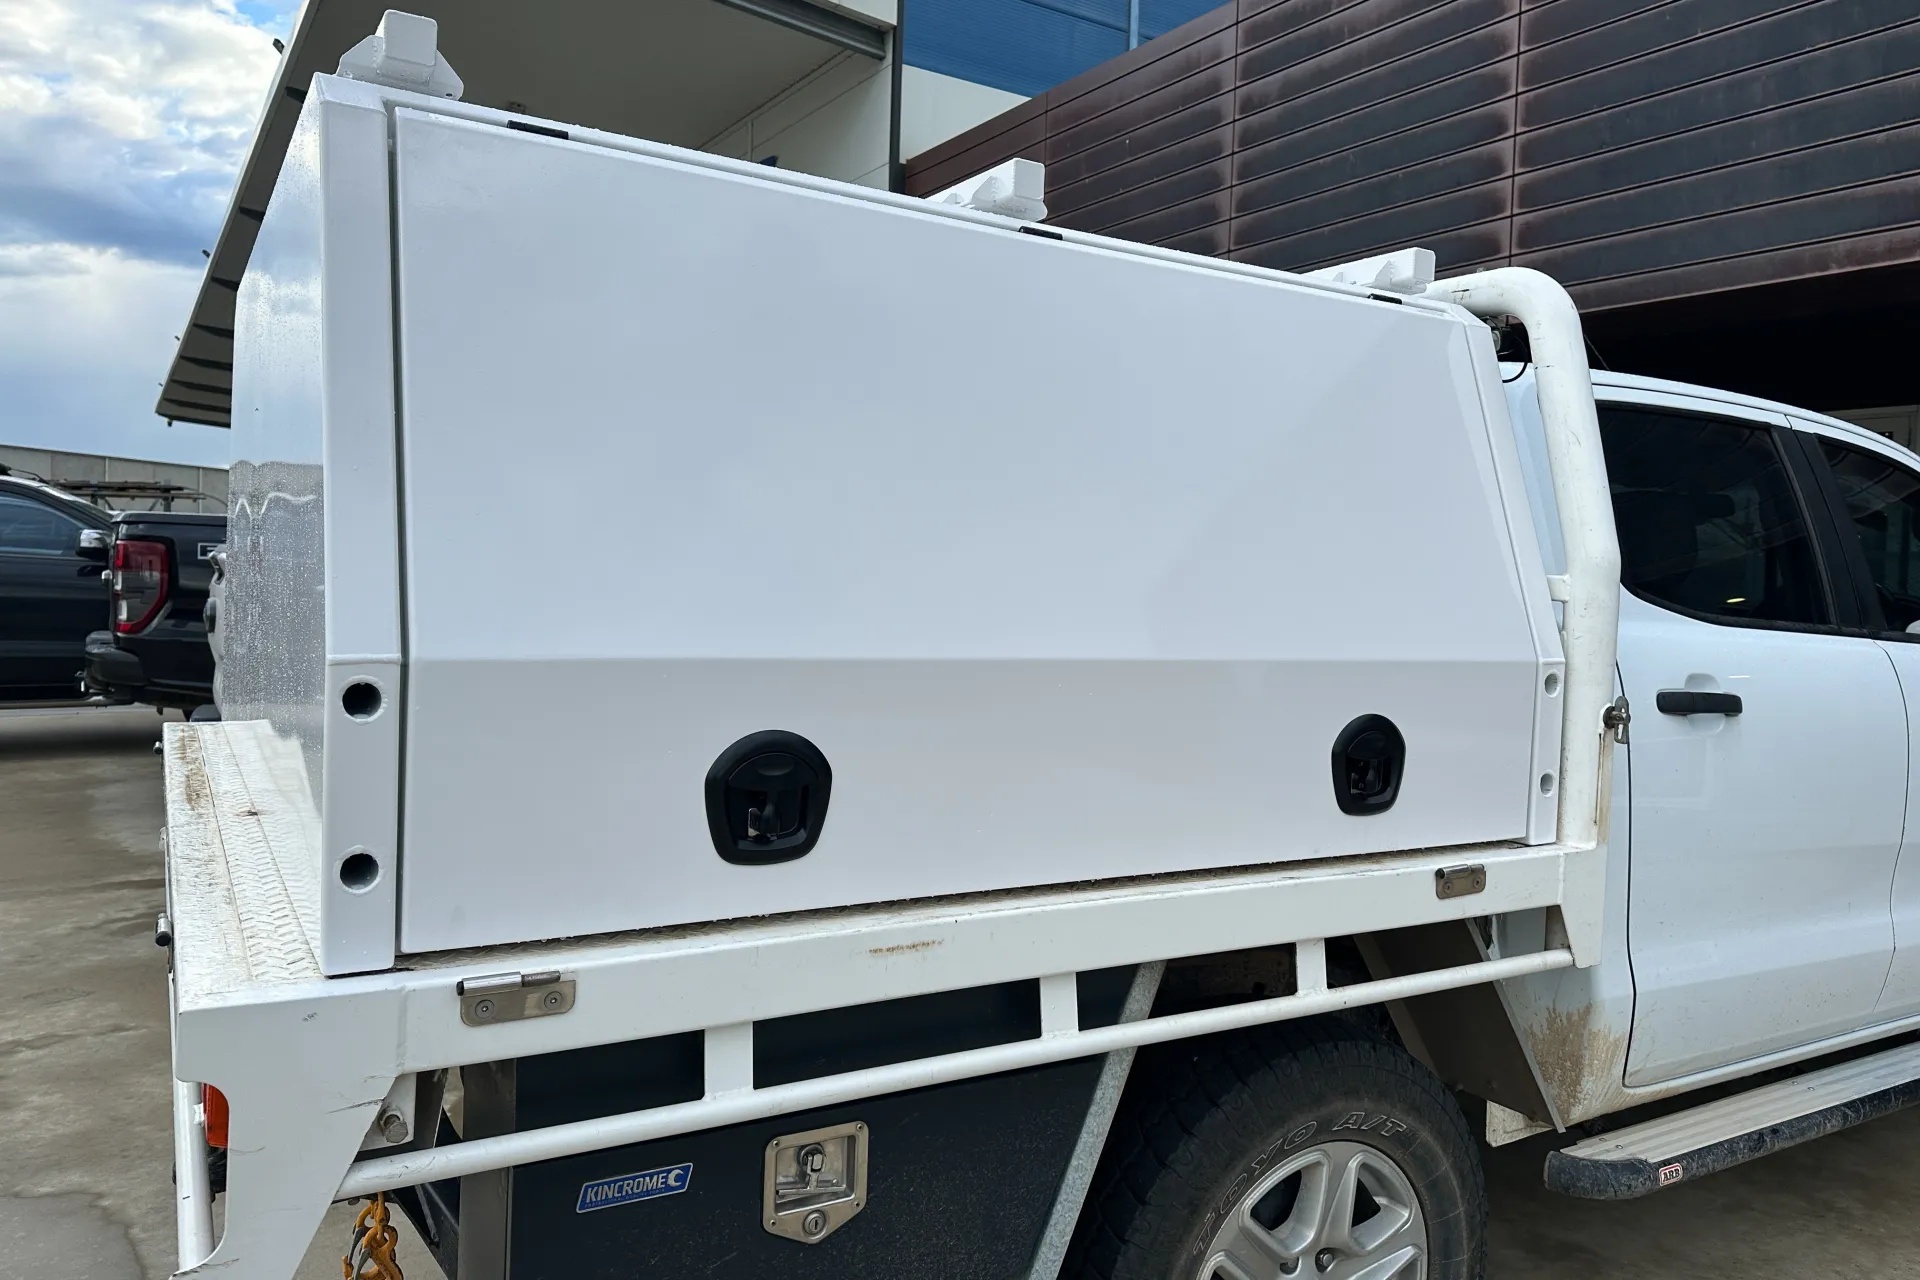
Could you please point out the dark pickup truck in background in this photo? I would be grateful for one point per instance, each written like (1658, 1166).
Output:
(154, 650)
(51, 595)
(98, 603)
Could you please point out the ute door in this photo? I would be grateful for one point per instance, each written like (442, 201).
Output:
(1768, 747)
(1873, 488)
(50, 598)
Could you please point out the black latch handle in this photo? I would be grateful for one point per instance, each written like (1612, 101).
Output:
(1689, 702)
(767, 798)
(1369, 759)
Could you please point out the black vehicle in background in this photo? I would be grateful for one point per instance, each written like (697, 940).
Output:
(154, 650)
(51, 590)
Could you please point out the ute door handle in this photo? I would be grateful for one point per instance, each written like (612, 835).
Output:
(1688, 702)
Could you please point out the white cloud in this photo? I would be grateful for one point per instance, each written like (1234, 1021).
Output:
(31, 261)
(122, 126)
(85, 337)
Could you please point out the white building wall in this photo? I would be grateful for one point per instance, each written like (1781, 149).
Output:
(835, 123)
(935, 107)
(884, 12)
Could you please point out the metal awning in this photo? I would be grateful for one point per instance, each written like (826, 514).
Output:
(675, 71)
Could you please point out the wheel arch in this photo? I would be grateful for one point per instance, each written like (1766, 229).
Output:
(1465, 1036)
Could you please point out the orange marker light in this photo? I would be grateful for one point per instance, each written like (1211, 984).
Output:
(215, 1104)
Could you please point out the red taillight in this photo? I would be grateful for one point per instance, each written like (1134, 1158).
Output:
(139, 583)
(214, 1103)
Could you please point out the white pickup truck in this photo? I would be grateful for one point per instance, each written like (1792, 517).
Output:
(1068, 759)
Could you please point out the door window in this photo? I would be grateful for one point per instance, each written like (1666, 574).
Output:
(1883, 501)
(1709, 524)
(34, 528)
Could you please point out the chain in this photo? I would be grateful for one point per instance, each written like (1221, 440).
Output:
(370, 1255)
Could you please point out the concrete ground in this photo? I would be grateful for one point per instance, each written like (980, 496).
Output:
(86, 1146)
(84, 1125)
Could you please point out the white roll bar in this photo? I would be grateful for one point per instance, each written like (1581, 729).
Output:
(1580, 488)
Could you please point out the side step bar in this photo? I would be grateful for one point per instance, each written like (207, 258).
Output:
(1643, 1158)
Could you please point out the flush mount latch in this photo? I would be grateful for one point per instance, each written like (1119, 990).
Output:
(767, 798)
(1369, 760)
(815, 1182)
(511, 997)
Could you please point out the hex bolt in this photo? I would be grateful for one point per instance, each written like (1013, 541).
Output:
(1324, 1259)
(814, 1223)
(393, 1126)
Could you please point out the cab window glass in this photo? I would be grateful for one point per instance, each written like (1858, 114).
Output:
(1708, 520)
(29, 526)
(1883, 502)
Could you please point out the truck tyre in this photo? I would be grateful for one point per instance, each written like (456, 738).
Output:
(1311, 1151)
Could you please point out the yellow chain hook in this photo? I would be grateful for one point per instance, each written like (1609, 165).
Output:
(370, 1255)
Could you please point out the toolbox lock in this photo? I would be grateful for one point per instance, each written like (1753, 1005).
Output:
(815, 1181)
(767, 798)
(1369, 758)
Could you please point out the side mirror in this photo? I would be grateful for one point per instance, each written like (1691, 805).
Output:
(95, 543)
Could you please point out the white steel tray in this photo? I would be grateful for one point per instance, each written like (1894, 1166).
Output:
(306, 1061)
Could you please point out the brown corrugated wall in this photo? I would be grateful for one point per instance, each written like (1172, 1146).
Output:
(1638, 150)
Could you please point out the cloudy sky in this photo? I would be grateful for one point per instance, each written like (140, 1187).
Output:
(122, 125)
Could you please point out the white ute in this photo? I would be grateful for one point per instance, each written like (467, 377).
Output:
(1066, 758)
